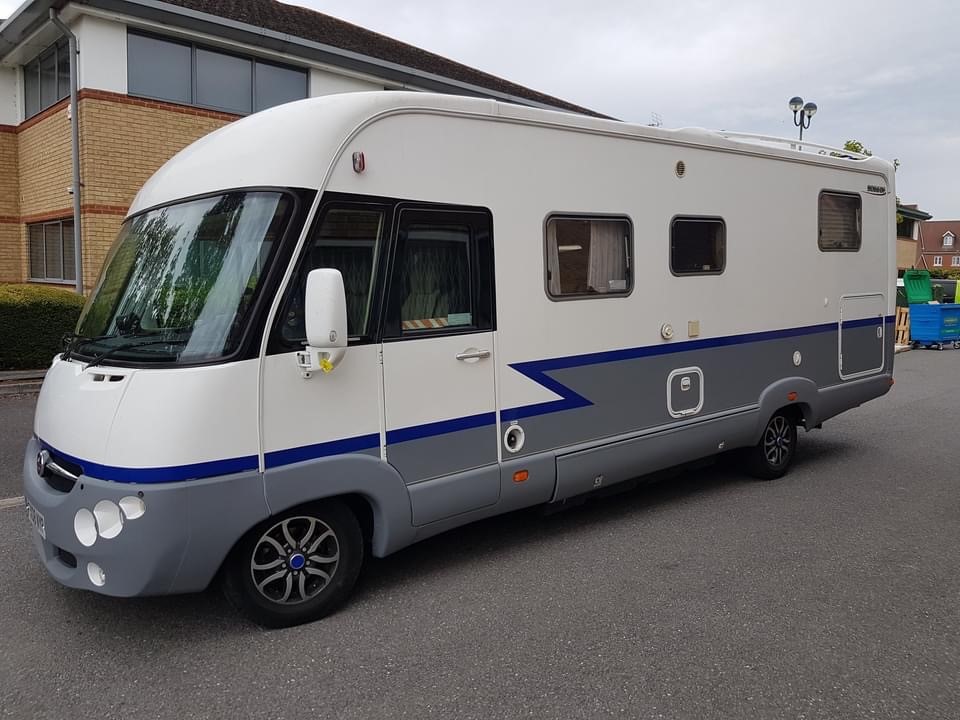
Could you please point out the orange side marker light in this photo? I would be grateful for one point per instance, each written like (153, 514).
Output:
(791, 396)
(520, 476)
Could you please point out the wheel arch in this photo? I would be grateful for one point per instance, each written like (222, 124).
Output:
(798, 397)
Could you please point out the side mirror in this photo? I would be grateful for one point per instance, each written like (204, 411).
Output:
(325, 317)
(325, 309)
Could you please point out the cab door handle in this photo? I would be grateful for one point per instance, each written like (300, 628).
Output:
(472, 354)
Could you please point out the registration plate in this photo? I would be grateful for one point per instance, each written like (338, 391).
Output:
(36, 519)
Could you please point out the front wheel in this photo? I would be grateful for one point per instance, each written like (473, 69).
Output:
(770, 458)
(296, 567)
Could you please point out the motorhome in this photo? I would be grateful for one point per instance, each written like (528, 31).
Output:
(343, 325)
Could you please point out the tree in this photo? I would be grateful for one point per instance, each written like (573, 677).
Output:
(857, 147)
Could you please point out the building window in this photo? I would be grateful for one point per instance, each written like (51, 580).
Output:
(948, 238)
(185, 73)
(588, 257)
(938, 261)
(839, 222)
(46, 79)
(955, 261)
(52, 257)
(698, 246)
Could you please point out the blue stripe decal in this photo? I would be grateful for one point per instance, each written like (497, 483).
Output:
(535, 370)
(416, 432)
(175, 473)
(289, 456)
(865, 322)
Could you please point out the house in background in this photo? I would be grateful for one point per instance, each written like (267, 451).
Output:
(153, 77)
(909, 218)
(938, 246)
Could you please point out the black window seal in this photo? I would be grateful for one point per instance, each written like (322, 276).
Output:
(276, 344)
(841, 193)
(631, 256)
(475, 278)
(249, 346)
(697, 218)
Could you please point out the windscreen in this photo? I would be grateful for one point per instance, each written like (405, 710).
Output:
(180, 280)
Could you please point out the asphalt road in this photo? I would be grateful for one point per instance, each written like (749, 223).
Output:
(833, 593)
(16, 425)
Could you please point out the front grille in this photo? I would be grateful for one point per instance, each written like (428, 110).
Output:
(67, 558)
(59, 482)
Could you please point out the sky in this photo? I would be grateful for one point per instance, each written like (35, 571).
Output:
(884, 73)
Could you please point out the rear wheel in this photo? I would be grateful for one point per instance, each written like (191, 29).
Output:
(770, 458)
(298, 566)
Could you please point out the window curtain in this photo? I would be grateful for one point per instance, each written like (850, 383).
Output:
(553, 259)
(607, 261)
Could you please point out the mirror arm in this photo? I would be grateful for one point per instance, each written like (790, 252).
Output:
(311, 360)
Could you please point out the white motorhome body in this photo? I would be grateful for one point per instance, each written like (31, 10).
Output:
(539, 305)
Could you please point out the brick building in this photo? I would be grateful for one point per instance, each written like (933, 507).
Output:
(152, 78)
(909, 218)
(938, 245)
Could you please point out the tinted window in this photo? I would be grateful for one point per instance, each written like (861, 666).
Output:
(223, 81)
(434, 273)
(839, 221)
(276, 85)
(63, 69)
(188, 74)
(347, 239)
(31, 89)
(588, 256)
(51, 250)
(159, 68)
(442, 276)
(697, 246)
(46, 79)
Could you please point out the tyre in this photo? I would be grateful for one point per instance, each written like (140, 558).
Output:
(297, 566)
(770, 458)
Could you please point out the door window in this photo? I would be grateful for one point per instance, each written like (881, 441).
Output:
(346, 239)
(442, 278)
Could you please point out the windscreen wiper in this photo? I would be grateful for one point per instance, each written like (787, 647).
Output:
(130, 346)
(72, 340)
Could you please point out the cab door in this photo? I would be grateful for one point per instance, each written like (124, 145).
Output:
(437, 349)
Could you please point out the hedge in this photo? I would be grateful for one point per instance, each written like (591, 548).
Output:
(33, 321)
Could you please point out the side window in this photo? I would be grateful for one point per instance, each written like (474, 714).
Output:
(348, 239)
(839, 222)
(698, 246)
(588, 257)
(442, 277)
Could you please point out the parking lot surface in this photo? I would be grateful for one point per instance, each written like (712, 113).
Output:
(832, 593)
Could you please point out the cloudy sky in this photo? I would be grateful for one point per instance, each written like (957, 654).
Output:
(884, 73)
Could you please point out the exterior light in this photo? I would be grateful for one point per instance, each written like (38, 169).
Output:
(96, 574)
(802, 114)
(85, 527)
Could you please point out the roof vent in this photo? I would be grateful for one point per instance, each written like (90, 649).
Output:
(681, 168)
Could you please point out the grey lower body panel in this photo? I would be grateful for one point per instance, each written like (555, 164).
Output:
(176, 546)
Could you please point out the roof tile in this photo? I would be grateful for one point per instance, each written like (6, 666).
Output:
(315, 26)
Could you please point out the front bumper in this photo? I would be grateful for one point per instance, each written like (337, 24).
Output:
(177, 545)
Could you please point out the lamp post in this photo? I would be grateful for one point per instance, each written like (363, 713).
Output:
(802, 114)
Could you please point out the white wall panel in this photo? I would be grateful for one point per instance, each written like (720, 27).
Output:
(9, 96)
(103, 54)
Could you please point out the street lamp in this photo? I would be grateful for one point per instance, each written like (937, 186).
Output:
(802, 114)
